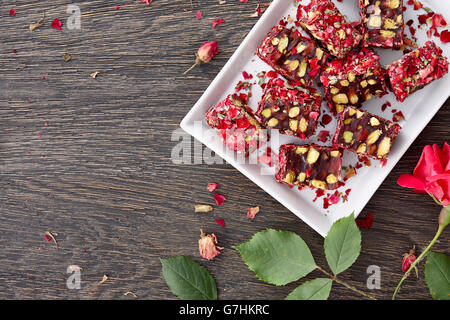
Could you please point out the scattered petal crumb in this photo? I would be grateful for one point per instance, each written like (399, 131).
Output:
(203, 208)
(49, 235)
(12, 12)
(365, 222)
(217, 22)
(220, 222)
(219, 199)
(212, 186)
(207, 245)
(130, 293)
(199, 14)
(94, 74)
(67, 57)
(57, 24)
(251, 212)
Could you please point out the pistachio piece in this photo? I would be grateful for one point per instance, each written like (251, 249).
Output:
(351, 111)
(390, 24)
(301, 150)
(335, 153)
(302, 70)
(319, 53)
(362, 148)
(348, 136)
(275, 41)
(340, 98)
(394, 4)
(293, 124)
(384, 147)
(353, 98)
(293, 65)
(301, 177)
(331, 178)
(290, 176)
(303, 124)
(272, 122)
(363, 83)
(340, 108)
(369, 96)
(344, 83)
(312, 156)
(348, 121)
(284, 41)
(374, 122)
(266, 113)
(373, 136)
(334, 90)
(293, 112)
(359, 114)
(374, 21)
(300, 47)
(341, 34)
(351, 76)
(319, 184)
(372, 81)
(387, 33)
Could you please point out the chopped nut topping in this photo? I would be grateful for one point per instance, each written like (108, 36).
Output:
(301, 150)
(374, 122)
(272, 122)
(340, 98)
(319, 184)
(312, 156)
(362, 148)
(348, 136)
(266, 112)
(293, 112)
(293, 125)
(303, 125)
(373, 136)
(331, 178)
(290, 176)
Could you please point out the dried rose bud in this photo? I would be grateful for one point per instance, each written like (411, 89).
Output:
(205, 53)
(207, 245)
(251, 212)
(408, 259)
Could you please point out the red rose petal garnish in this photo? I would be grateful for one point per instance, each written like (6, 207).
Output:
(217, 22)
(271, 74)
(199, 14)
(146, 1)
(365, 222)
(117, 7)
(251, 212)
(398, 116)
(220, 222)
(219, 199)
(334, 198)
(324, 135)
(437, 20)
(212, 186)
(417, 5)
(48, 239)
(12, 12)
(326, 119)
(56, 24)
(445, 36)
(246, 75)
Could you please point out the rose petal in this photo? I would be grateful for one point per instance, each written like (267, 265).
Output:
(438, 20)
(428, 165)
(251, 212)
(217, 22)
(56, 24)
(365, 222)
(212, 186)
(220, 222)
(445, 36)
(207, 245)
(199, 14)
(409, 181)
(219, 199)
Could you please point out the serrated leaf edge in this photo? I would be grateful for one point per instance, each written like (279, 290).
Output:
(314, 292)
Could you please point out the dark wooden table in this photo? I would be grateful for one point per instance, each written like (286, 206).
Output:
(89, 159)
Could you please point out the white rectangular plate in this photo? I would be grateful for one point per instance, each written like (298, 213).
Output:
(418, 109)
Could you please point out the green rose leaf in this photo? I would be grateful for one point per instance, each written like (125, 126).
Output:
(188, 280)
(317, 289)
(277, 257)
(437, 275)
(342, 244)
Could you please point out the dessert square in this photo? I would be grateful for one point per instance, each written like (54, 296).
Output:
(364, 133)
(309, 166)
(295, 57)
(327, 25)
(416, 69)
(383, 21)
(291, 110)
(353, 80)
(236, 123)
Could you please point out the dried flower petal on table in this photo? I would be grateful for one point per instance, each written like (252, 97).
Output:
(67, 57)
(105, 277)
(199, 14)
(220, 222)
(212, 186)
(207, 245)
(12, 12)
(203, 208)
(56, 24)
(445, 36)
(217, 22)
(146, 1)
(51, 235)
(251, 212)
(219, 199)
(365, 222)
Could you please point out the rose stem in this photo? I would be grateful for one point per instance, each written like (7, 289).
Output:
(346, 284)
(438, 233)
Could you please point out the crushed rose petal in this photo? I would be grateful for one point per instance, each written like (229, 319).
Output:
(220, 222)
(212, 186)
(251, 212)
(445, 36)
(219, 199)
(437, 20)
(207, 245)
(217, 22)
(12, 12)
(199, 14)
(365, 222)
(56, 24)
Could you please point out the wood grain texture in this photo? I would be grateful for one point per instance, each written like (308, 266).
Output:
(101, 176)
